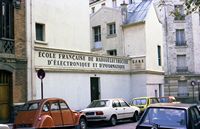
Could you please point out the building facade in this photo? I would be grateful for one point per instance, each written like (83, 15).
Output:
(13, 58)
(126, 32)
(181, 51)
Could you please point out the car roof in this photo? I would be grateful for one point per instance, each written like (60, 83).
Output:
(43, 100)
(173, 105)
(143, 98)
(110, 99)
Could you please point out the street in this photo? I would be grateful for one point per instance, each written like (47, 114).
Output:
(121, 125)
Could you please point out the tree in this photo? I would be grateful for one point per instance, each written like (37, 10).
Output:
(192, 5)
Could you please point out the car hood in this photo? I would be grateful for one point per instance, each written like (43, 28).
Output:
(94, 109)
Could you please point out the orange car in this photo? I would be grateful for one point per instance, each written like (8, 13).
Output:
(48, 113)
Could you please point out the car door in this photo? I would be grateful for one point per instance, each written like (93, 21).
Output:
(127, 110)
(195, 118)
(118, 110)
(67, 114)
(56, 113)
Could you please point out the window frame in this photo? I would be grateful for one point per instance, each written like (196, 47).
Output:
(111, 29)
(40, 32)
(180, 37)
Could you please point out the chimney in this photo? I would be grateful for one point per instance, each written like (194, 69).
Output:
(124, 12)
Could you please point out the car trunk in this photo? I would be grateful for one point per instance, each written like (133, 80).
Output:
(25, 118)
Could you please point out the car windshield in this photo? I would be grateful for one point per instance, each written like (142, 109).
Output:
(170, 117)
(139, 102)
(99, 103)
(163, 100)
(30, 106)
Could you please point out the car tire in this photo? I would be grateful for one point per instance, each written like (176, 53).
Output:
(82, 124)
(113, 120)
(135, 117)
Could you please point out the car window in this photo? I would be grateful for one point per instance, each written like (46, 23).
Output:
(116, 103)
(123, 103)
(164, 100)
(45, 108)
(30, 106)
(165, 117)
(98, 103)
(139, 102)
(63, 105)
(54, 106)
(195, 114)
(154, 100)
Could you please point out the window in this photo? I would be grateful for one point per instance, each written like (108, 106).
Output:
(111, 29)
(112, 52)
(54, 106)
(97, 33)
(114, 3)
(159, 55)
(182, 88)
(40, 31)
(6, 19)
(93, 9)
(179, 12)
(180, 37)
(63, 105)
(181, 63)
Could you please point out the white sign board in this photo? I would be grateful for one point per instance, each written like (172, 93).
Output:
(79, 61)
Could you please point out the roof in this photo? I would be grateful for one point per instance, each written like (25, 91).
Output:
(172, 105)
(143, 98)
(137, 12)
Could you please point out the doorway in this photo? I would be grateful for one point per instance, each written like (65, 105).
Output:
(94, 88)
(5, 96)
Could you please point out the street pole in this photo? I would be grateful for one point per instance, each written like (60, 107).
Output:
(198, 83)
(41, 89)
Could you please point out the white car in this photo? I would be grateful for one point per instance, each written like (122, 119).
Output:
(4, 126)
(111, 110)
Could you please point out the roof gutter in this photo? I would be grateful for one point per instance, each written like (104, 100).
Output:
(133, 24)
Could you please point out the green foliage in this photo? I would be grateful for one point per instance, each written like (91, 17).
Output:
(192, 5)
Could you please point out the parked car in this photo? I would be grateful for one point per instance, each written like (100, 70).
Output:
(4, 126)
(111, 110)
(48, 113)
(144, 102)
(168, 99)
(170, 116)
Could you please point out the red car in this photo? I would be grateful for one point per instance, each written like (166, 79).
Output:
(48, 113)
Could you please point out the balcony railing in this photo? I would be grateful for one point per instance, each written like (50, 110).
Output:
(7, 46)
(182, 69)
(138, 63)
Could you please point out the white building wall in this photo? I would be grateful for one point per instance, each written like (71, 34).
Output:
(135, 40)
(138, 85)
(108, 42)
(75, 87)
(108, 3)
(65, 28)
(62, 21)
(154, 37)
(69, 86)
(115, 85)
(196, 39)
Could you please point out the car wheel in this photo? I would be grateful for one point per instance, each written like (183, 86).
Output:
(135, 117)
(113, 120)
(82, 124)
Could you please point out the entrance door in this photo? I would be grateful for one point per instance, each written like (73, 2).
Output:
(5, 95)
(94, 84)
